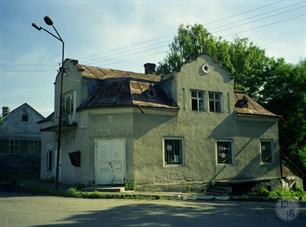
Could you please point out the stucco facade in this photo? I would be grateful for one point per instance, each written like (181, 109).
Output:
(187, 132)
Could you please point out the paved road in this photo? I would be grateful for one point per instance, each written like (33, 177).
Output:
(26, 210)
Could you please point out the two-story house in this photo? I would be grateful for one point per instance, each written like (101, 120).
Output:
(170, 132)
(20, 140)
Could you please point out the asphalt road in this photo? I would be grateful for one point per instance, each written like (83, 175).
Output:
(27, 210)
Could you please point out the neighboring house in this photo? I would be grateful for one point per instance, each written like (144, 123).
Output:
(183, 130)
(20, 140)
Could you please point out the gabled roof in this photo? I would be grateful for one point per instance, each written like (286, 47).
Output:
(123, 92)
(19, 107)
(93, 72)
(244, 105)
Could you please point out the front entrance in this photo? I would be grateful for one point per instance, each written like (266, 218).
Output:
(109, 161)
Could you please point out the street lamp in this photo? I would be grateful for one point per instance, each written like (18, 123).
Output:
(49, 22)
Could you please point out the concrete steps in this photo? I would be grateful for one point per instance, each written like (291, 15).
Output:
(220, 190)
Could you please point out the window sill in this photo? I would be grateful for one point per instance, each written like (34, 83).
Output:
(172, 165)
(266, 163)
(225, 164)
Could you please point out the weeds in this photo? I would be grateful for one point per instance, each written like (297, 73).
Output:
(295, 193)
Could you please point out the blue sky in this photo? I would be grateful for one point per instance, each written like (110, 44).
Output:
(126, 34)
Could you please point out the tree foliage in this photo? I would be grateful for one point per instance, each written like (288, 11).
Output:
(277, 85)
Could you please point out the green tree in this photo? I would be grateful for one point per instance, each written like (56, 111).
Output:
(283, 92)
(277, 85)
(242, 58)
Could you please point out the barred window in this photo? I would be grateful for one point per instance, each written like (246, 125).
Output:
(224, 152)
(173, 151)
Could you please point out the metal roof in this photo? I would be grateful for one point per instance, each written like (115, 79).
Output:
(93, 72)
(120, 92)
(244, 105)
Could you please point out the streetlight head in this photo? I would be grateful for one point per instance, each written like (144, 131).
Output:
(36, 26)
(48, 20)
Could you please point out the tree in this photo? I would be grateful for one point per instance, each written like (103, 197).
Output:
(242, 58)
(277, 85)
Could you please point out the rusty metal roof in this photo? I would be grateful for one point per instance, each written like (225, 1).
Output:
(121, 92)
(244, 105)
(93, 72)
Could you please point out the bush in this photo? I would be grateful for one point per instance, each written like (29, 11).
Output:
(295, 193)
(263, 191)
(73, 192)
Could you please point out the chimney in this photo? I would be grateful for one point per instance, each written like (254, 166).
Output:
(149, 68)
(5, 111)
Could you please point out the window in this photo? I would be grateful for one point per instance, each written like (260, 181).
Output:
(68, 104)
(25, 117)
(14, 146)
(49, 161)
(34, 146)
(197, 100)
(173, 151)
(214, 101)
(4, 146)
(224, 152)
(266, 151)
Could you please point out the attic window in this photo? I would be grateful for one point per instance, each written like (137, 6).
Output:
(242, 103)
(151, 93)
(205, 68)
(25, 117)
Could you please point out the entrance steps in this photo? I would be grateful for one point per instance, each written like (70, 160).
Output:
(220, 189)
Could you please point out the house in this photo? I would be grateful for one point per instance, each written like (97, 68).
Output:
(20, 140)
(187, 129)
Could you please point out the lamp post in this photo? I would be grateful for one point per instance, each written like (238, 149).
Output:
(49, 22)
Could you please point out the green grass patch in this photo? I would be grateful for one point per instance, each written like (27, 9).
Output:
(295, 193)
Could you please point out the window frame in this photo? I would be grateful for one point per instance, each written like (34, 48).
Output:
(182, 151)
(271, 148)
(25, 117)
(198, 99)
(232, 151)
(14, 146)
(214, 100)
(49, 161)
(72, 107)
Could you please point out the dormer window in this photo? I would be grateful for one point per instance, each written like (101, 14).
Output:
(25, 117)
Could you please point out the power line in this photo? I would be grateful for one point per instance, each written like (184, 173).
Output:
(168, 35)
(266, 25)
(260, 14)
(116, 55)
(133, 52)
(262, 18)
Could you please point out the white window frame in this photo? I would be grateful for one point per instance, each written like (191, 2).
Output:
(214, 100)
(232, 151)
(164, 149)
(272, 151)
(198, 100)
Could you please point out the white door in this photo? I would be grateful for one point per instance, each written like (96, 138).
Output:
(110, 161)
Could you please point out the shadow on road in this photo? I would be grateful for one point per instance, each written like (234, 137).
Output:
(192, 214)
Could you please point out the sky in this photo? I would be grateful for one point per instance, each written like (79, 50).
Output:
(126, 34)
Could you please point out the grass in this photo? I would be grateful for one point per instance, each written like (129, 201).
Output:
(295, 193)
